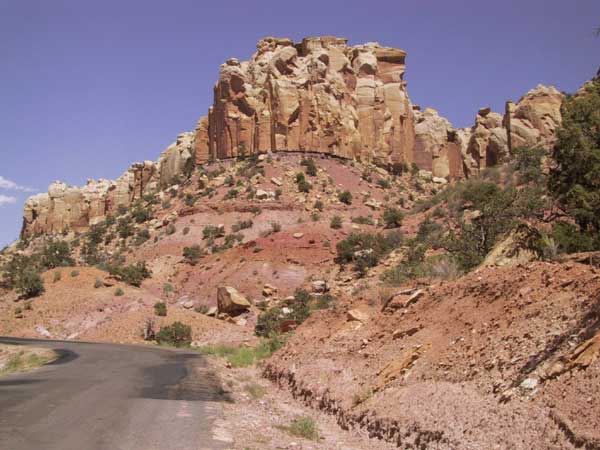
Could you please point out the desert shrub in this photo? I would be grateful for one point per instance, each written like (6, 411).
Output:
(275, 227)
(168, 289)
(212, 231)
(192, 254)
(278, 193)
(98, 284)
(141, 215)
(528, 163)
(241, 225)
(166, 204)
(392, 217)
(122, 210)
(569, 238)
(132, 274)
(336, 222)
(231, 194)
(189, 200)
(383, 183)
(430, 233)
(363, 220)
(185, 231)
(311, 168)
(315, 217)
(364, 250)
(57, 277)
(345, 197)
(74, 273)
(30, 284)
(125, 227)
(56, 254)
(269, 322)
(304, 186)
(119, 292)
(304, 427)
(160, 309)
(177, 334)
(170, 229)
(141, 237)
(319, 205)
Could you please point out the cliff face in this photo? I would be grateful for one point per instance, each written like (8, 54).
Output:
(319, 95)
(66, 207)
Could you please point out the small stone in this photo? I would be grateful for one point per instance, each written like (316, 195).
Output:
(297, 235)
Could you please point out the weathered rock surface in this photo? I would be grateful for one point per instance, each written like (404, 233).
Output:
(319, 95)
(231, 302)
(76, 208)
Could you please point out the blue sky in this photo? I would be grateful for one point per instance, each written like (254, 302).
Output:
(88, 87)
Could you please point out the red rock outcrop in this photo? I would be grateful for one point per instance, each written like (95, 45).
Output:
(319, 95)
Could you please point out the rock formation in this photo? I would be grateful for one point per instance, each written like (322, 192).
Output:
(319, 95)
(65, 207)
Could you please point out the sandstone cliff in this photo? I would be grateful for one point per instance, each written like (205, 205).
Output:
(319, 95)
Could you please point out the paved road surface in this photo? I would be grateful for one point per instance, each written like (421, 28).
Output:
(111, 397)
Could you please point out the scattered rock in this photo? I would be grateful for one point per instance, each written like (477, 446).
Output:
(356, 314)
(231, 302)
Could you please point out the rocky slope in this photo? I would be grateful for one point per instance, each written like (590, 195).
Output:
(319, 95)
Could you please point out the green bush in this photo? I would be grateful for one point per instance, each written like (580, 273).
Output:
(574, 179)
(74, 273)
(141, 215)
(345, 197)
(269, 322)
(98, 284)
(304, 427)
(56, 254)
(160, 309)
(177, 334)
(392, 217)
(363, 220)
(570, 239)
(311, 168)
(241, 225)
(170, 229)
(231, 194)
(192, 254)
(319, 205)
(132, 274)
(119, 292)
(141, 237)
(125, 228)
(363, 249)
(30, 284)
(211, 231)
(304, 186)
(336, 222)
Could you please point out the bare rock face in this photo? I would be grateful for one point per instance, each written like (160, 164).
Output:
(531, 122)
(76, 208)
(319, 95)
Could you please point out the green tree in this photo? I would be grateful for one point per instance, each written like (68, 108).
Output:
(575, 180)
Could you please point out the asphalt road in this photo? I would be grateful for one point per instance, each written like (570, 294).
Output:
(111, 397)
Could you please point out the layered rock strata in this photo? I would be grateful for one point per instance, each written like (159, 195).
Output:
(319, 95)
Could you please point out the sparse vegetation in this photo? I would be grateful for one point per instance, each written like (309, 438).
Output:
(345, 197)
(176, 334)
(392, 217)
(304, 427)
(160, 309)
(336, 222)
(132, 274)
(192, 254)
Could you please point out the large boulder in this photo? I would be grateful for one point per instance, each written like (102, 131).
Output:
(231, 302)
(518, 247)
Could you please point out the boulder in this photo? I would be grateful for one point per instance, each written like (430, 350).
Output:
(231, 302)
(319, 286)
(358, 315)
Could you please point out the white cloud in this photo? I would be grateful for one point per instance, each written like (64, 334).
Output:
(5, 199)
(8, 184)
